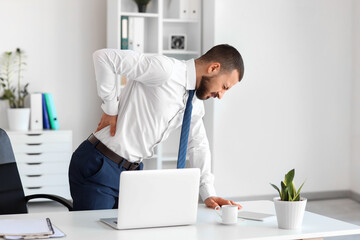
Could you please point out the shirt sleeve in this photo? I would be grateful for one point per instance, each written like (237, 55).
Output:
(199, 152)
(109, 63)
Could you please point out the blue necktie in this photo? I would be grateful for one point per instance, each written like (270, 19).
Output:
(185, 131)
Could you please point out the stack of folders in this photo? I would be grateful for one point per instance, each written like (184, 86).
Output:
(132, 33)
(43, 114)
(28, 229)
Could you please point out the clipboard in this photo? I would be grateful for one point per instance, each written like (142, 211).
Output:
(26, 228)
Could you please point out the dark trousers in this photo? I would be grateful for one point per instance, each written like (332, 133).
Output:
(94, 179)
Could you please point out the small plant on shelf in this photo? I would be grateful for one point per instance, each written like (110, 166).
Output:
(142, 4)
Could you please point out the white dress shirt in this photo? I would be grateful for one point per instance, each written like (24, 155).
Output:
(150, 107)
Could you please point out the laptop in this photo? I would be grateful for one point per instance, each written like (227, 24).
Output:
(157, 198)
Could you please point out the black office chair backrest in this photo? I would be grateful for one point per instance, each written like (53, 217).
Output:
(12, 198)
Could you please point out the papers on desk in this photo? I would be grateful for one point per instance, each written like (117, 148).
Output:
(256, 216)
(28, 229)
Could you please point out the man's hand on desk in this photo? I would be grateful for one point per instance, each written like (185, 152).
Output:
(107, 120)
(212, 202)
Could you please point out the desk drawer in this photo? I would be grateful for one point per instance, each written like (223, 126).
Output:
(43, 168)
(43, 180)
(62, 191)
(39, 157)
(40, 137)
(41, 147)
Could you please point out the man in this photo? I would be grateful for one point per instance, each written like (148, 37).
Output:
(149, 108)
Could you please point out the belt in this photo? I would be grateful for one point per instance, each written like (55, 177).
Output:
(111, 155)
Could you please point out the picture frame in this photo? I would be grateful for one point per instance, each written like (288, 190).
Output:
(177, 42)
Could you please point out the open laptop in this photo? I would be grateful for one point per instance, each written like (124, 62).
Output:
(157, 198)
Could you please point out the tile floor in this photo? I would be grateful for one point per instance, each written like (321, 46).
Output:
(342, 209)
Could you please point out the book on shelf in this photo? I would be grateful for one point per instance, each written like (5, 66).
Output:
(46, 122)
(36, 117)
(50, 107)
(124, 32)
(136, 34)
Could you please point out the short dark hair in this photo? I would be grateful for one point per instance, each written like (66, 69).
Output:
(227, 56)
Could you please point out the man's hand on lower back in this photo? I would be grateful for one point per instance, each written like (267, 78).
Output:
(107, 120)
(212, 202)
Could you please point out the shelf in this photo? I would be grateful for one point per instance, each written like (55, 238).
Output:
(181, 52)
(180, 20)
(137, 14)
(169, 158)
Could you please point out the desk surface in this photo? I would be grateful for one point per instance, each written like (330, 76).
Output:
(86, 225)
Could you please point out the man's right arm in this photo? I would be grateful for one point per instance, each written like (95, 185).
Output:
(108, 63)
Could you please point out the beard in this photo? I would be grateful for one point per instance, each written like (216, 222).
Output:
(203, 89)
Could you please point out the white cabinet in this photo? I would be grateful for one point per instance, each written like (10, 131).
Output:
(43, 159)
(169, 27)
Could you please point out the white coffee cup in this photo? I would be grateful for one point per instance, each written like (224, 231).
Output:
(228, 213)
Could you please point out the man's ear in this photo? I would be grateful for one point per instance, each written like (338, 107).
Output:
(213, 68)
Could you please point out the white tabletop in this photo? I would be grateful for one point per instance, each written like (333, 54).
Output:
(86, 225)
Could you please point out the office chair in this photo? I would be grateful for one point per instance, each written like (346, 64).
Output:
(12, 197)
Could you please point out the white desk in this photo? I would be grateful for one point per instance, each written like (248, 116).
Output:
(86, 225)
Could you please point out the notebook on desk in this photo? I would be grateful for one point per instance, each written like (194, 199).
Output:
(157, 198)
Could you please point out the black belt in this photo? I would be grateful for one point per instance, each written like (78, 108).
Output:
(111, 155)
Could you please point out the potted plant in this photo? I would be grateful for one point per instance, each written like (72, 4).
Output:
(142, 4)
(289, 206)
(12, 66)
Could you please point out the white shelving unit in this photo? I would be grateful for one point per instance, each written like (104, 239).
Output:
(163, 19)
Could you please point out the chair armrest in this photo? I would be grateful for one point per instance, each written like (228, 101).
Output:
(56, 198)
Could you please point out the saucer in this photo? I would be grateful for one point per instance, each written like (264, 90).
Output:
(228, 223)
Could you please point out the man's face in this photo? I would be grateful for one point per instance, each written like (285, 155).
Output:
(217, 85)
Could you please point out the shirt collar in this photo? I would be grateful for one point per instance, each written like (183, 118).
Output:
(190, 75)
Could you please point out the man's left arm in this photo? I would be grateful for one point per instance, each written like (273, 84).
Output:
(200, 157)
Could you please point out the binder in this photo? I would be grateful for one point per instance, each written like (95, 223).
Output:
(184, 7)
(45, 115)
(180, 8)
(124, 32)
(54, 123)
(138, 29)
(36, 118)
(131, 34)
(194, 9)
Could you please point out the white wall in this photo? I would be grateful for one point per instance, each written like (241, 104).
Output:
(293, 108)
(59, 37)
(355, 167)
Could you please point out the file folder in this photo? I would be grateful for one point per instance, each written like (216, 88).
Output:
(36, 118)
(46, 122)
(54, 123)
(138, 30)
(124, 32)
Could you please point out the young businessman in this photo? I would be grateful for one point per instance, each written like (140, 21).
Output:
(149, 108)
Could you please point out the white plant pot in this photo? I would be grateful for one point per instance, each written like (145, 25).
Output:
(4, 105)
(290, 214)
(18, 119)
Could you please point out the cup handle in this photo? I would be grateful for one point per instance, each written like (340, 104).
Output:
(217, 210)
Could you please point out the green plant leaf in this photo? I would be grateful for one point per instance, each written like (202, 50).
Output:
(289, 177)
(297, 196)
(290, 187)
(274, 186)
(290, 198)
(283, 191)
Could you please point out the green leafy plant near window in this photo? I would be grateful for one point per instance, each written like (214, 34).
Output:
(288, 191)
(12, 65)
